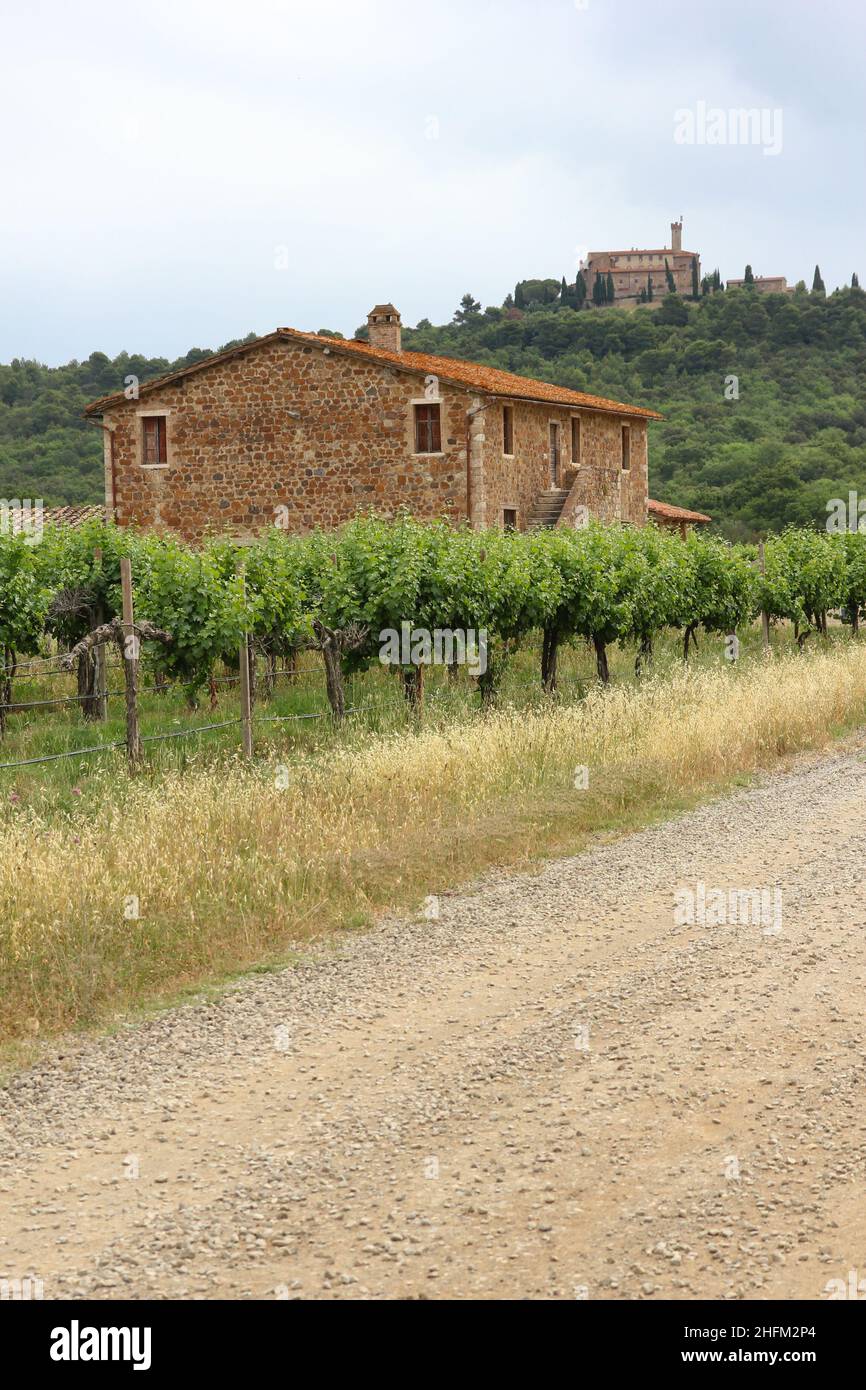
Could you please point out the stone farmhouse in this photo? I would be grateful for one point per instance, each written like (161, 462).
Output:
(302, 430)
(632, 270)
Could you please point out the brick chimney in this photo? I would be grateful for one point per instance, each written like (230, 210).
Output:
(677, 235)
(384, 324)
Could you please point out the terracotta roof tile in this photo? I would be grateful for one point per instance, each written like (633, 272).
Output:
(59, 516)
(664, 511)
(641, 251)
(491, 380)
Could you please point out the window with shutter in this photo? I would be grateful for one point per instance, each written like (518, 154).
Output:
(554, 455)
(428, 432)
(154, 450)
(507, 429)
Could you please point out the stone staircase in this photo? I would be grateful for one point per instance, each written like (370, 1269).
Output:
(547, 508)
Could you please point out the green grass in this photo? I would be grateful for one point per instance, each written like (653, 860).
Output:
(235, 873)
(376, 695)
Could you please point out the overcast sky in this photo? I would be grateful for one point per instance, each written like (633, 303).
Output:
(180, 172)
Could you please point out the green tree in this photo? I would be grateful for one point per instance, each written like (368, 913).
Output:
(673, 311)
(817, 282)
(696, 288)
(669, 277)
(469, 309)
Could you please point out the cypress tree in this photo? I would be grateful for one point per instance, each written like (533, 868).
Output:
(579, 291)
(610, 292)
(598, 289)
(749, 279)
(649, 287)
(855, 281)
(696, 288)
(672, 284)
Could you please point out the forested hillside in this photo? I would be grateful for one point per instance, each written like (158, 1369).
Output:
(765, 451)
(796, 435)
(46, 449)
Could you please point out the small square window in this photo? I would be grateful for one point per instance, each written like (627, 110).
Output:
(507, 429)
(154, 449)
(428, 430)
(626, 447)
(575, 440)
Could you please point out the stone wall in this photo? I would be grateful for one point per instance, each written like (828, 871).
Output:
(311, 437)
(630, 270)
(286, 426)
(599, 482)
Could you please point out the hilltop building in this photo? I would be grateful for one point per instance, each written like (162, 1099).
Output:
(631, 271)
(764, 284)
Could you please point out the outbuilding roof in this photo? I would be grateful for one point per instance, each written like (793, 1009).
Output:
(665, 512)
(76, 515)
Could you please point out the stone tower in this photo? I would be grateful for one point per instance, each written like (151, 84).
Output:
(677, 235)
(383, 322)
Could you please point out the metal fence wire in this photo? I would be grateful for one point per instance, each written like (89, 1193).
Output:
(173, 733)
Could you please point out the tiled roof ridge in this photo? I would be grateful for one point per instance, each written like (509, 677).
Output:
(493, 380)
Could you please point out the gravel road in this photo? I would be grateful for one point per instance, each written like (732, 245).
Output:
(554, 1090)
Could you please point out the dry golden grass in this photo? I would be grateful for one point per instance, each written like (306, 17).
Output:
(230, 869)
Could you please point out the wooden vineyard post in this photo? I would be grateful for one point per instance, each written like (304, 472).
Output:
(246, 700)
(128, 637)
(99, 659)
(765, 617)
(246, 704)
(130, 667)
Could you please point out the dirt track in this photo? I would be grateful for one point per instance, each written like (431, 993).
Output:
(426, 1115)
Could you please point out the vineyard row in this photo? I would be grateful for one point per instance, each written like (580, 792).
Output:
(339, 592)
